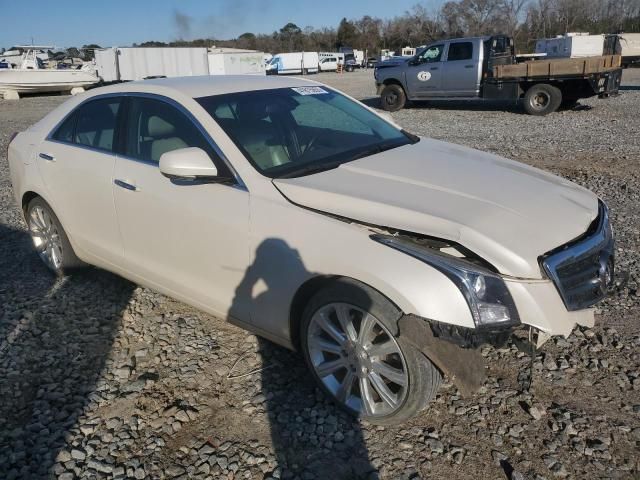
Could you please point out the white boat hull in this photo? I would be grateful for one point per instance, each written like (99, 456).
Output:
(43, 80)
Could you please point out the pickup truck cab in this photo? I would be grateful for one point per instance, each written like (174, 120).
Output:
(476, 69)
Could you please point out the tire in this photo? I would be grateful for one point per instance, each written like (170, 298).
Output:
(49, 238)
(413, 379)
(542, 99)
(393, 98)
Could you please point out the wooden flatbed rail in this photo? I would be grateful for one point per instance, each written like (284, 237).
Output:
(558, 67)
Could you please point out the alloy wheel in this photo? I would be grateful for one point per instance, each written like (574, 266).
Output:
(46, 237)
(357, 359)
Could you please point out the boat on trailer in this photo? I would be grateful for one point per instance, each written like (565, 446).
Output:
(29, 76)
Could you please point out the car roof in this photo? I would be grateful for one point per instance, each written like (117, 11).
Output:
(207, 85)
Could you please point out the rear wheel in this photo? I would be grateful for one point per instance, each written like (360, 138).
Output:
(393, 98)
(49, 238)
(348, 343)
(542, 99)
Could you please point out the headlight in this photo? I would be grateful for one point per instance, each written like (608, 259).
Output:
(486, 293)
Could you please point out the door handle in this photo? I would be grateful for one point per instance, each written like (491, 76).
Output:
(469, 66)
(434, 68)
(126, 185)
(46, 156)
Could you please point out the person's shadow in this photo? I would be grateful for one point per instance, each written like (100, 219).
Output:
(55, 337)
(309, 433)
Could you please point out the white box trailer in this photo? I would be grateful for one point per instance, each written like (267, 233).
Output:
(338, 55)
(232, 61)
(572, 45)
(137, 63)
(107, 64)
(630, 48)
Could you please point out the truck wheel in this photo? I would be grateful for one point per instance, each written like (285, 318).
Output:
(49, 238)
(542, 99)
(393, 98)
(348, 344)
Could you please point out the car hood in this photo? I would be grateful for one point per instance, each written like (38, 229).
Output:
(504, 211)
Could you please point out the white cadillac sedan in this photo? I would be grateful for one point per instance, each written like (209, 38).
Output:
(302, 215)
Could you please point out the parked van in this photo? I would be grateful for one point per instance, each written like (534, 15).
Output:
(329, 61)
(295, 62)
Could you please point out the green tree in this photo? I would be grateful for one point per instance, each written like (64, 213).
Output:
(347, 34)
(291, 36)
(247, 40)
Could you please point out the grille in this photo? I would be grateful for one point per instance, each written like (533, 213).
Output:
(582, 270)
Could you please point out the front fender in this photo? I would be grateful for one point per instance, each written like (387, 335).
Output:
(293, 245)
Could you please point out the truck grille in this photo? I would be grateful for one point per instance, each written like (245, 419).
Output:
(582, 270)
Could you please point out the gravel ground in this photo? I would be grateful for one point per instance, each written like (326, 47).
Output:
(100, 378)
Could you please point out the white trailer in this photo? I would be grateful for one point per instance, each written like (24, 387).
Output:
(138, 63)
(572, 45)
(408, 52)
(234, 61)
(295, 62)
(329, 61)
(359, 56)
(630, 48)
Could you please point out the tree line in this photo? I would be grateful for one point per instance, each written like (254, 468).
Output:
(525, 20)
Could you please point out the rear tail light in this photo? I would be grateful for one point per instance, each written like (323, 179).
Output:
(13, 135)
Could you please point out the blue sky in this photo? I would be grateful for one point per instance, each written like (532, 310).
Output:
(65, 23)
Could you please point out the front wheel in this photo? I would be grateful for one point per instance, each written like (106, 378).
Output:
(542, 99)
(393, 98)
(348, 343)
(49, 238)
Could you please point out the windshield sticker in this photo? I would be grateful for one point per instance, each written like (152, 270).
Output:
(424, 76)
(309, 90)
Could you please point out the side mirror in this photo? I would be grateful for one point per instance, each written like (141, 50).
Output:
(188, 163)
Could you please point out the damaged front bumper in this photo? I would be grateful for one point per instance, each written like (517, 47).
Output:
(453, 349)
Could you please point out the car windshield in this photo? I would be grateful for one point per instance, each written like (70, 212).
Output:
(290, 132)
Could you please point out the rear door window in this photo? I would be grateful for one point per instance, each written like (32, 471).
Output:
(96, 123)
(460, 51)
(64, 133)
